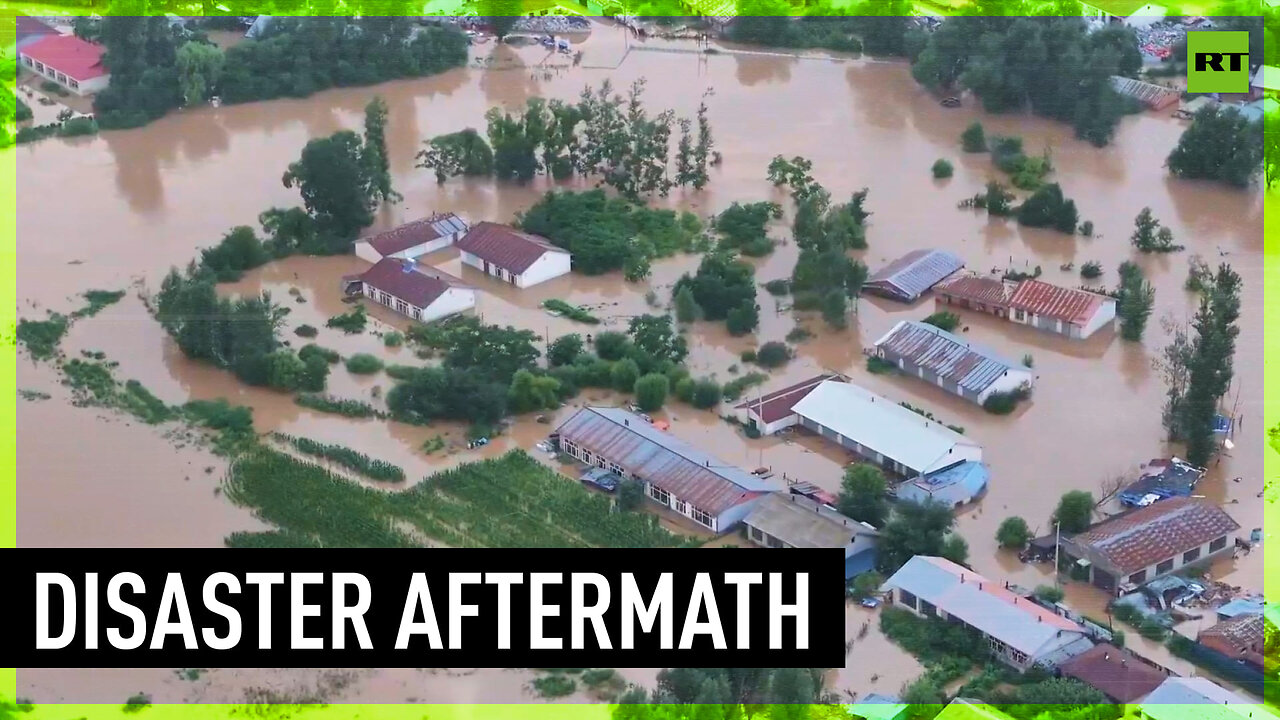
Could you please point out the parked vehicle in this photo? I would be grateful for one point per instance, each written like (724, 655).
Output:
(601, 479)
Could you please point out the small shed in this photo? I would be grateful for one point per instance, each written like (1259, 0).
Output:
(911, 275)
(953, 487)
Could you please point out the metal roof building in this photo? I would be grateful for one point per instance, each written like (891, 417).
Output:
(676, 474)
(1065, 311)
(789, 520)
(911, 275)
(1020, 632)
(953, 364)
(1198, 698)
(953, 486)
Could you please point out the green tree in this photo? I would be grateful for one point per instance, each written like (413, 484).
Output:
(654, 336)
(974, 138)
(862, 494)
(286, 371)
(565, 349)
(529, 392)
(651, 391)
(1221, 144)
(1048, 207)
(199, 69)
(1137, 300)
(1013, 533)
(913, 529)
(611, 345)
(630, 495)
(1074, 513)
(743, 319)
(687, 309)
(335, 185)
(462, 153)
(721, 285)
(624, 375)
(955, 549)
(375, 150)
(706, 394)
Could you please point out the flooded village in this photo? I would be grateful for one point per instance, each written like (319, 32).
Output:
(891, 390)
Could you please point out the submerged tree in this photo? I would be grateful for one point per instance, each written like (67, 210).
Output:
(375, 150)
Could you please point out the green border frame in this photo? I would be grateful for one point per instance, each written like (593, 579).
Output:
(538, 711)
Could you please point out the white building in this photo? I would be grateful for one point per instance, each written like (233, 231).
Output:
(950, 362)
(512, 256)
(876, 428)
(413, 240)
(1065, 311)
(421, 293)
(68, 61)
(1134, 13)
(1017, 631)
(793, 521)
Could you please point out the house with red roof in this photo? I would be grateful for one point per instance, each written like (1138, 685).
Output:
(31, 29)
(1066, 311)
(416, 291)
(519, 258)
(413, 240)
(69, 61)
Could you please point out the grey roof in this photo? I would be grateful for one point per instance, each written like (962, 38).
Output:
(662, 459)
(1211, 701)
(803, 523)
(909, 276)
(987, 606)
(972, 367)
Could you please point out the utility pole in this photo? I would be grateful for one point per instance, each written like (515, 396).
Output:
(1057, 543)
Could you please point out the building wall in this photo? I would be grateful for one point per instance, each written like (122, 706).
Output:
(88, 87)
(1101, 319)
(365, 252)
(1011, 380)
(946, 299)
(550, 265)
(746, 415)
(959, 453)
(454, 300)
(1151, 572)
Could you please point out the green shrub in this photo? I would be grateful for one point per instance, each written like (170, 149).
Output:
(554, 685)
(78, 126)
(1003, 403)
(136, 703)
(942, 169)
(733, 389)
(747, 356)
(573, 312)
(974, 139)
(779, 287)
(393, 339)
(1091, 270)
(311, 349)
(1049, 593)
(306, 331)
(363, 364)
(944, 320)
(798, 334)
(337, 406)
(880, 366)
(346, 457)
(773, 354)
(41, 337)
(706, 394)
(98, 299)
(351, 323)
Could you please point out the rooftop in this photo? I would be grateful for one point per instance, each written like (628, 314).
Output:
(1155, 533)
(663, 459)
(418, 232)
(68, 54)
(28, 26)
(882, 425)
(1242, 632)
(912, 274)
(416, 284)
(1162, 478)
(1267, 78)
(1069, 305)
(986, 605)
(803, 523)
(1114, 672)
(953, 484)
(779, 403)
(506, 247)
(977, 288)
(972, 367)
(1195, 698)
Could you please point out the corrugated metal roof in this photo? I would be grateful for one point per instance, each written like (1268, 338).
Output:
(1142, 538)
(779, 403)
(970, 366)
(1069, 305)
(986, 605)
(884, 426)
(955, 484)
(909, 276)
(662, 459)
(418, 232)
(803, 523)
(1242, 633)
(976, 288)
(1201, 699)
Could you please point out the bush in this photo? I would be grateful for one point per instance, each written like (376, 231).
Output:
(1013, 533)
(706, 394)
(1091, 269)
(393, 339)
(363, 364)
(611, 345)
(573, 312)
(974, 139)
(651, 391)
(311, 349)
(798, 334)
(624, 374)
(1151, 629)
(773, 354)
(630, 495)
(880, 366)
(41, 337)
(1003, 403)
(554, 685)
(1086, 228)
(942, 169)
(136, 703)
(78, 126)
(779, 287)
(1049, 593)
(306, 331)
(684, 389)
(747, 356)
(564, 350)
(351, 323)
(733, 389)
(944, 320)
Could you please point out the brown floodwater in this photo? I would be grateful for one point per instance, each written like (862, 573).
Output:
(120, 209)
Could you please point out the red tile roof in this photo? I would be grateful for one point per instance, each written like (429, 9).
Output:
(1066, 304)
(415, 284)
(505, 247)
(777, 404)
(418, 232)
(1116, 673)
(28, 26)
(1241, 635)
(975, 288)
(69, 55)
(1153, 534)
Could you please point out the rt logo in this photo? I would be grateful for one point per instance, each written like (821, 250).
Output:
(1219, 62)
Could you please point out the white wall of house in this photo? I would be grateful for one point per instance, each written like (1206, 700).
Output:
(747, 415)
(365, 252)
(550, 265)
(454, 300)
(1010, 381)
(88, 87)
(1105, 314)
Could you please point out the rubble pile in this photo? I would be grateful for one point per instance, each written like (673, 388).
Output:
(554, 24)
(1157, 41)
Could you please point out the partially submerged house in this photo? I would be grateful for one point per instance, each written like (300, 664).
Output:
(674, 473)
(950, 362)
(975, 292)
(414, 239)
(1239, 639)
(1017, 631)
(519, 258)
(872, 427)
(911, 275)
(416, 291)
(67, 60)
(1139, 546)
(1160, 479)
(1066, 311)
(1123, 677)
(955, 486)
(1152, 96)
(1198, 698)
(792, 521)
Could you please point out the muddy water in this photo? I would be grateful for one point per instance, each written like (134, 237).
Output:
(148, 199)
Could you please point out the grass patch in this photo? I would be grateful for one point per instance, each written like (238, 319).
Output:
(33, 395)
(93, 383)
(798, 334)
(346, 457)
(351, 323)
(573, 312)
(233, 424)
(943, 320)
(42, 337)
(338, 406)
(393, 339)
(98, 299)
(510, 501)
(434, 445)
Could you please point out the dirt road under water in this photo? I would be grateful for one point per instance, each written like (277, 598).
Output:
(120, 209)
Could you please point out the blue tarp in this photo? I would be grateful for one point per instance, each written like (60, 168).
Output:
(952, 486)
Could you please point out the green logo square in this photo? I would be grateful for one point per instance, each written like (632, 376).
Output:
(1217, 62)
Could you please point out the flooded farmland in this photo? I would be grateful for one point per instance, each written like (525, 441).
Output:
(118, 210)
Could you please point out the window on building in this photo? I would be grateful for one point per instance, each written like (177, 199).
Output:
(1019, 315)
(1139, 577)
(906, 598)
(927, 608)
(616, 469)
(775, 542)
(62, 78)
(1018, 656)
(402, 307)
(74, 85)
(586, 456)
(27, 60)
(757, 535)
(1164, 567)
(702, 517)
(1191, 555)
(1218, 544)
(39, 66)
(996, 646)
(681, 507)
(417, 314)
(659, 494)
